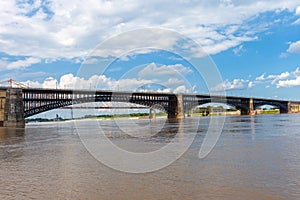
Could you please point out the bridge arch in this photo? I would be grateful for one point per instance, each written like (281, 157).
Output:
(281, 105)
(40, 102)
(242, 104)
(216, 108)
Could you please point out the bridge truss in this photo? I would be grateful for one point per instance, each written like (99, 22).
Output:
(40, 100)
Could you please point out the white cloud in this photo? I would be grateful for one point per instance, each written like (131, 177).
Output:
(223, 45)
(296, 72)
(236, 84)
(237, 51)
(298, 10)
(69, 81)
(289, 83)
(260, 78)
(294, 47)
(6, 65)
(296, 22)
(101, 82)
(173, 81)
(33, 84)
(289, 79)
(226, 3)
(181, 89)
(251, 84)
(165, 70)
(90, 61)
(284, 79)
(283, 55)
(276, 78)
(132, 84)
(50, 83)
(70, 29)
(137, 42)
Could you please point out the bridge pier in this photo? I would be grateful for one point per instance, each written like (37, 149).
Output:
(285, 108)
(11, 108)
(291, 107)
(176, 110)
(247, 107)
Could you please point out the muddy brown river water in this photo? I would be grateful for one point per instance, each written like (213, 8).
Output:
(256, 157)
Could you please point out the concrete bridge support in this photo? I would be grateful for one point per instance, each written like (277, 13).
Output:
(247, 107)
(176, 109)
(293, 107)
(11, 108)
(2, 106)
(285, 108)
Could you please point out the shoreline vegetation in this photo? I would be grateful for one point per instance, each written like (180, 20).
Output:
(100, 117)
(199, 112)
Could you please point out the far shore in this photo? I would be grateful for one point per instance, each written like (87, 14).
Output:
(143, 116)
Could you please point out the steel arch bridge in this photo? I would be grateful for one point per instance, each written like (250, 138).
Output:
(40, 100)
(16, 104)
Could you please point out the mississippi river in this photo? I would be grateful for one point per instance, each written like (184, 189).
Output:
(256, 157)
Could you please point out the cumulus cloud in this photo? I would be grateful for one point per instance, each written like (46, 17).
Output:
(165, 70)
(278, 77)
(293, 79)
(273, 78)
(294, 47)
(260, 78)
(251, 84)
(289, 83)
(298, 10)
(50, 83)
(297, 13)
(33, 84)
(101, 82)
(236, 84)
(6, 65)
(284, 79)
(181, 89)
(173, 81)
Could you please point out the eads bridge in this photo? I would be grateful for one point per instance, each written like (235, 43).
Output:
(16, 104)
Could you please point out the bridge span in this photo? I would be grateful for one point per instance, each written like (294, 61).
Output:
(16, 104)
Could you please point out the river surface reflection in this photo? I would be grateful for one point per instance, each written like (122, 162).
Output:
(256, 157)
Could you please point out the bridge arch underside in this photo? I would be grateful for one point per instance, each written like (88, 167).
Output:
(243, 108)
(244, 105)
(282, 106)
(34, 108)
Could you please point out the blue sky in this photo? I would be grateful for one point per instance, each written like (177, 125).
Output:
(255, 45)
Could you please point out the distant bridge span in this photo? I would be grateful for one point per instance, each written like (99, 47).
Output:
(16, 104)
